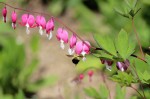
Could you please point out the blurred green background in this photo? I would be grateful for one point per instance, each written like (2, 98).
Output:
(30, 63)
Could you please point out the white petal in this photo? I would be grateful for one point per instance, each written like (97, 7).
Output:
(122, 69)
(50, 35)
(108, 67)
(27, 29)
(62, 44)
(71, 51)
(40, 30)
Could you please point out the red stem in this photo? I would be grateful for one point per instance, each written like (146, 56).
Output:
(137, 37)
(104, 80)
(137, 92)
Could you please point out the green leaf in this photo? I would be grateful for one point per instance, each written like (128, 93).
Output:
(121, 13)
(20, 95)
(144, 77)
(26, 73)
(41, 83)
(124, 48)
(92, 93)
(88, 64)
(106, 42)
(104, 93)
(120, 93)
(147, 57)
(131, 3)
(123, 78)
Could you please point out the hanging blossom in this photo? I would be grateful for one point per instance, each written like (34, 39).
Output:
(108, 63)
(123, 66)
(81, 76)
(62, 36)
(90, 74)
(4, 13)
(41, 23)
(82, 48)
(14, 19)
(72, 41)
(28, 21)
(50, 28)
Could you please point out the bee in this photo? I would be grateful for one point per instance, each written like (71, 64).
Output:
(75, 59)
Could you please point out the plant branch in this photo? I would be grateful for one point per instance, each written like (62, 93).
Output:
(45, 14)
(137, 37)
(134, 68)
(137, 91)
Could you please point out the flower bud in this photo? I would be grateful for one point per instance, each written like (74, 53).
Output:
(123, 66)
(14, 19)
(62, 36)
(4, 13)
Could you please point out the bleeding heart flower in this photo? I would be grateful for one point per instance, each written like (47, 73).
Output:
(81, 76)
(14, 19)
(123, 66)
(50, 28)
(72, 42)
(4, 13)
(28, 21)
(82, 48)
(90, 74)
(41, 23)
(108, 63)
(62, 36)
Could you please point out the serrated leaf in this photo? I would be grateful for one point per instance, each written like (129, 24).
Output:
(123, 78)
(124, 48)
(106, 42)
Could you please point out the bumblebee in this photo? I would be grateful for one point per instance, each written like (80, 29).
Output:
(75, 59)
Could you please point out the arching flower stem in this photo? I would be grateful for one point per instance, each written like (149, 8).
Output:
(45, 14)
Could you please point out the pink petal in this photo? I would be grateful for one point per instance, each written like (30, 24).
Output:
(24, 19)
(31, 20)
(79, 47)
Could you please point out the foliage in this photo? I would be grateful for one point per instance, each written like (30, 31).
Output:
(16, 72)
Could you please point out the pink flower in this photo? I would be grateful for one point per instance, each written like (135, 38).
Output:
(90, 74)
(81, 76)
(4, 13)
(82, 48)
(28, 21)
(14, 19)
(73, 41)
(50, 28)
(41, 23)
(62, 36)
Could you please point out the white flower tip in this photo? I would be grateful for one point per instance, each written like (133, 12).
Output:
(122, 69)
(27, 29)
(41, 31)
(62, 44)
(70, 51)
(50, 36)
(108, 67)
